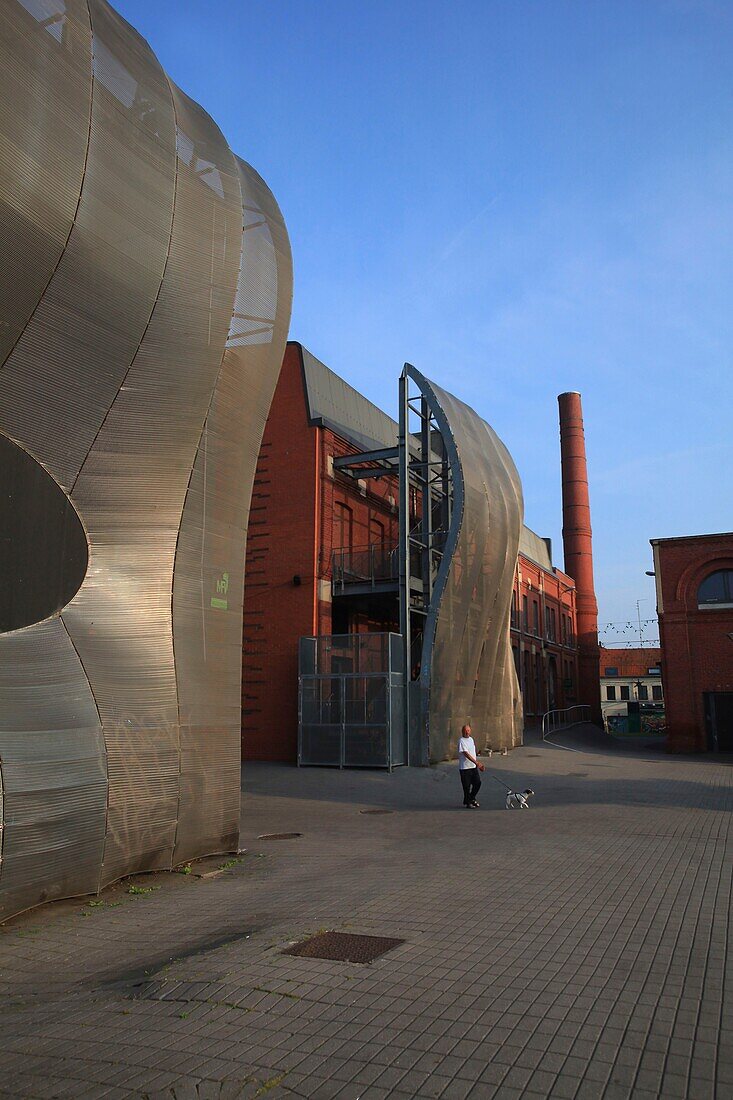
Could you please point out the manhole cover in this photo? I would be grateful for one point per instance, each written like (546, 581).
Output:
(343, 947)
(278, 836)
(376, 811)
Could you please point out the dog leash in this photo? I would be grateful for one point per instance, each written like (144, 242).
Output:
(501, 784)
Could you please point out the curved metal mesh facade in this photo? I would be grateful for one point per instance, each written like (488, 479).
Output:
(147, 281)
(467, 672)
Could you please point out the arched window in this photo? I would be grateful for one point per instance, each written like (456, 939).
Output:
(376, 532)
(344, 520)
(716, 590)
(527, 683)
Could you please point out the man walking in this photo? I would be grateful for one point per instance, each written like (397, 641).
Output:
(469, 768)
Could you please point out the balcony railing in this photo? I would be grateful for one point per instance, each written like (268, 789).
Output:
(374, 566)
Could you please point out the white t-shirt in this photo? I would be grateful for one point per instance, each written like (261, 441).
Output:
(466, 744)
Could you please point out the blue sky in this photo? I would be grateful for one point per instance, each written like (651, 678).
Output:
(519, 198)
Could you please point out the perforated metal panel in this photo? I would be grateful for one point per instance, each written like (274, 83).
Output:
(209, 575)
(142, 332)
(467, 672)
(46, 90)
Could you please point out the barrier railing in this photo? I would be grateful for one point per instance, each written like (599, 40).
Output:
(372, 565)
(554, 720)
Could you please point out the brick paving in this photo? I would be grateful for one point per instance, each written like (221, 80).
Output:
(579, 950)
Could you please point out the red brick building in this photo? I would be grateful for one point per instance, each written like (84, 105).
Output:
(306, 517)
(694, 579)
(543, 629)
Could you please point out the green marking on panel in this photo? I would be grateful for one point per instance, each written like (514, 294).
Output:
(220, 605)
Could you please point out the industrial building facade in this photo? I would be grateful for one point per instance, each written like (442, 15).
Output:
(694, 581)
(321, 561)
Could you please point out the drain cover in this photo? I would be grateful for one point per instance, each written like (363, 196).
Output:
(376, 811)
(278, 836)
(343, 947)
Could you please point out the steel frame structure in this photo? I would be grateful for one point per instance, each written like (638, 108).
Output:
(456, 568)
(422, 475)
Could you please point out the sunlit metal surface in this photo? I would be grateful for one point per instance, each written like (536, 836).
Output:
(467, 672)
(146, 284)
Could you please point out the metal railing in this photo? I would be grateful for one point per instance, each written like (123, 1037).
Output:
(371, 565)
(554, 720)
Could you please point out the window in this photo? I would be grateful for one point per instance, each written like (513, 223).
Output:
(515, 655)
(610, 672)
(344, 527)
(643, 691)
(716, 589)
(527, 684)
(514, 608)
(340, 620)
(376, 532)
(656, 691)
(536, 616)
(611, 693)
(525, 621)
(625, 694)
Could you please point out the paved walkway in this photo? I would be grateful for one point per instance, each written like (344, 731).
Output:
(578, 950)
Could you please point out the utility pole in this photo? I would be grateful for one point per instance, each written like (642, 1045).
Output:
(638, 616)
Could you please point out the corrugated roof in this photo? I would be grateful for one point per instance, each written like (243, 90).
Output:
(338, 406)
(335, 404)
(535, 548)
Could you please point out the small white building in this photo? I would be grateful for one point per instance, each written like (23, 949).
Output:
(630, 676)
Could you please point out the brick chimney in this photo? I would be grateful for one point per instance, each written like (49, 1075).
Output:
(577, 544)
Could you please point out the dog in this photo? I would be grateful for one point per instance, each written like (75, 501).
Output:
(518, 800)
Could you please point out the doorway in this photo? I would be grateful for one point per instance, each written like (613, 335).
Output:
(719, 720)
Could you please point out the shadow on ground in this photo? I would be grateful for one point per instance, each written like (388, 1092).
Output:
(577, 766)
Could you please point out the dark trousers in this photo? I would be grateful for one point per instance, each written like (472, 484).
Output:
(471, 782)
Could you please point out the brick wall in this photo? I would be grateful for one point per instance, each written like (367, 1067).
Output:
(352, 515)
(294, 529)
(281, 545)
(544, 638)
(697, 652)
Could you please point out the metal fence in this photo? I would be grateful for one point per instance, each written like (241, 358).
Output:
(351, 701)
(555, 720)
(372, 565)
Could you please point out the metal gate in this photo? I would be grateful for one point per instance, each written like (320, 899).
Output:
(351, 701)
